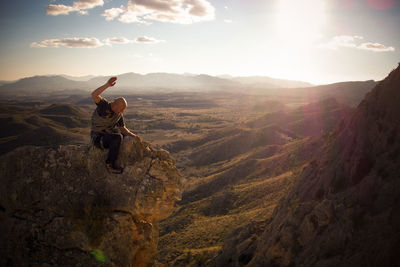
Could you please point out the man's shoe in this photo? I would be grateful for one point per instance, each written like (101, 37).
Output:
(113, 169)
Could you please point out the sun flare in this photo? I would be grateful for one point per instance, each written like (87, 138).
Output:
(298, 25)
(301, 20)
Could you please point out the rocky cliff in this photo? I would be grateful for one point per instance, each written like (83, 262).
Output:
(344, 209)
(60, 207)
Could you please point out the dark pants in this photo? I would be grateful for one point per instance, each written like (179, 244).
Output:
(111, 141)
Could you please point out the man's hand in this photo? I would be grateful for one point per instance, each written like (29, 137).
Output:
(137, 137)
(126, 131)
(96, 93)
(112, 81)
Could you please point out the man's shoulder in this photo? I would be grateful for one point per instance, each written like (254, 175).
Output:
(104, 108)
(103, 101)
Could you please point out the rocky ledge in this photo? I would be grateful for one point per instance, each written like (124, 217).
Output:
(61, 207)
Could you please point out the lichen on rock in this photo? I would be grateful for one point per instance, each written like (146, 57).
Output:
(61, 207)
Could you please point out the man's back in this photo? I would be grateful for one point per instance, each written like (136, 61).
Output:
(104, 119)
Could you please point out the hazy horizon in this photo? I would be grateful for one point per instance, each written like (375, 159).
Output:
(78, 77)
(315, 41)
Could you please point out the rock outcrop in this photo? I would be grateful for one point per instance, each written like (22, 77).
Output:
(61, 207)
(344, 210)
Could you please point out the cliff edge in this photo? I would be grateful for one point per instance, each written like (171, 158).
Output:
(344, 209)
(61, 207)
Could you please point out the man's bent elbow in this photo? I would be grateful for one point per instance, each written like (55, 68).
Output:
(95, 96)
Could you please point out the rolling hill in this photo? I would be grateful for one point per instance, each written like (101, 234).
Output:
(56, 124)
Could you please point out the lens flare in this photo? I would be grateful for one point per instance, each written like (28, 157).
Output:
(98, 255)
(381, 4)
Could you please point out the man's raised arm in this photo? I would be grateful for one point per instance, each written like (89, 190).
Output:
(96, 93)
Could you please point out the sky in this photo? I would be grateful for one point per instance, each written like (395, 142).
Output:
(318, 41)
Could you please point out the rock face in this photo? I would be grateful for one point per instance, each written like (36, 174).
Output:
(344, 210)
(61, 207)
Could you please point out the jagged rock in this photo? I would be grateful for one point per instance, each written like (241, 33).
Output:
(344, 210)
(61, 207)
(353, 188)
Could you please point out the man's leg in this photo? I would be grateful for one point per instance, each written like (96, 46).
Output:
(113, 142)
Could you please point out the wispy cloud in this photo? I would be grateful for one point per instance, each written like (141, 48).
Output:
(117, 40)
(74, 42)
(354, 42)
(175, 11)
(147, 40)
(80, 6)
(79, 42)
(376, 47)
(341, 41)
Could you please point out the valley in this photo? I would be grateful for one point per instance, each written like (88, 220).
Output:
(238, 153)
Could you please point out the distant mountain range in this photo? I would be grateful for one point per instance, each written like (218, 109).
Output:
(160, 81)
(5, 82)
(264, 81)
(167, 82)
(40, 84)
(78, 78)
(350, 93)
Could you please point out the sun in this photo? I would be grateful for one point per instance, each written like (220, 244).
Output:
(297, 28)
(300, 20)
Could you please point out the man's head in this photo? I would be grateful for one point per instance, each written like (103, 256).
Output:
(119, 105)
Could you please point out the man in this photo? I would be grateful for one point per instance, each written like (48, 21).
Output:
(108, 125)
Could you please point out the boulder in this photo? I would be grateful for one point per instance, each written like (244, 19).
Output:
(61, 207)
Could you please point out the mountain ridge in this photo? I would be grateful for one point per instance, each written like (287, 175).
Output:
(61, 82)
(343, 210)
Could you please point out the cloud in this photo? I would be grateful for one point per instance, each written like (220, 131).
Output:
(113, 13)
(351, 42)
(59, 10)
(87, 4)
(147, 40)
(174, 11)
(79, 6)
(376, 47)
(228, 21)
(78, 42)
(341, 41)
(117, 40)
(74, 42)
